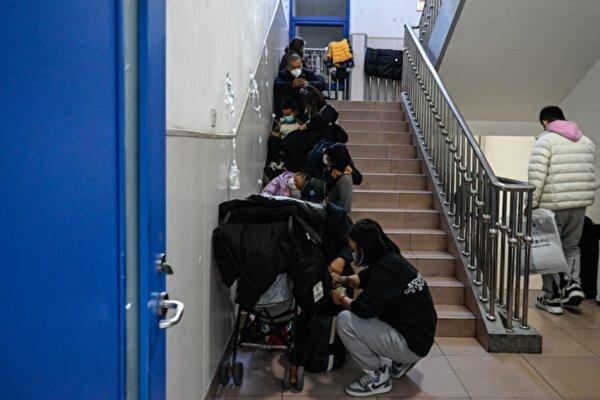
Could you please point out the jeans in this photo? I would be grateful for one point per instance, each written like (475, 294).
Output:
(372, 342)
(570, 226)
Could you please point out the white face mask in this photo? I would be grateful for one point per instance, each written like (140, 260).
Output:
(291, 184)
(326, 160)
(296, 72)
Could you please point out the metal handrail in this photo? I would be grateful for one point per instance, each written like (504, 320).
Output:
(491, 214)
(428, 19)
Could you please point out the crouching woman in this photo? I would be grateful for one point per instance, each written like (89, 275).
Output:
(391, 325)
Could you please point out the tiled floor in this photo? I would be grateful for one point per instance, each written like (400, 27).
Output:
(569, 368)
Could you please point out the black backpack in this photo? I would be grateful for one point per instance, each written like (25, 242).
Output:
(319, 347)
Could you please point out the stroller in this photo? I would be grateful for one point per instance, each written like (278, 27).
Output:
(274, 316)
(265, 244)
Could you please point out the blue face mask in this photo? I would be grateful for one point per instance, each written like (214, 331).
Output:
(289, 119)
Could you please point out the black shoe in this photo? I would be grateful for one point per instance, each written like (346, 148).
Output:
(553, 306)
(573, 295)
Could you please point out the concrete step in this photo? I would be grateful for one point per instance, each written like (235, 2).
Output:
(373, 126)
(432, 263)
(390, 181)
(395, 166)
(383, 150)
(399, 217)
(418, 239)
(372, 115)
(379, 138)
(420, 199)
(446, 290)
(454, 321)
(366, 105)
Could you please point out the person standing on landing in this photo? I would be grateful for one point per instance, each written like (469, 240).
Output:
(391, 325)
(561, 167)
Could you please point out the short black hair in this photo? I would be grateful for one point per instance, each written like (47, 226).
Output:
(289, 105)
(551, 114)
(296, 44)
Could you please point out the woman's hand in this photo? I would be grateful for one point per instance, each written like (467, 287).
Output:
(337, 265)
(336, 174)
(338, 296)
(348, 170)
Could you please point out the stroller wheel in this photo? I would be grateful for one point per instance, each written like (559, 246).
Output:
(300, 378)
(238, 373)
(224, 368)
(287, 375)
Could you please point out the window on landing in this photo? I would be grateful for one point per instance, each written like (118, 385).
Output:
(320, 8)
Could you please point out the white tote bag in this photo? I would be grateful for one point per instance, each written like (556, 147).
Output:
(547, 256)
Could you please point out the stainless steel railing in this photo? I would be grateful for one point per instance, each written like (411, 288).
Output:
(315, 60)
(491, 215)
(379, 89)
(428, 18)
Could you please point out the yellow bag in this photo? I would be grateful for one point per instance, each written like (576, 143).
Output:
(339, 52)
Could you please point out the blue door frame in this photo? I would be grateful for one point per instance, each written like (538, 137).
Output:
(62, 167)
(319, 21)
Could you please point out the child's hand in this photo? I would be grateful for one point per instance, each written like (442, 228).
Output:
(336, 174)
(348, 170)
(337, 265)
(302, 127)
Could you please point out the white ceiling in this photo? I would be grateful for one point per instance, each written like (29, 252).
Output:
(508, 58)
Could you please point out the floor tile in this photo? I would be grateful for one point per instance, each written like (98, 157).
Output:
(461, 347)
(556, 342)
(500, 375)
(263, 372)
(538, 318)
(585, 317)
(571, 377)
(431, 377)
(435, 350)
(590, 338)
(591, 303)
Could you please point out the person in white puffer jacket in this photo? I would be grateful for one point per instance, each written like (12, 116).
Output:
(561, 167)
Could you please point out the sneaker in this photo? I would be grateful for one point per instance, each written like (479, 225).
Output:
(371, 383)
(398, 370)
(553, 306)
(572, 295)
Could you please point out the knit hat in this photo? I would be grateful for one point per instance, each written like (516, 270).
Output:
(313, 191)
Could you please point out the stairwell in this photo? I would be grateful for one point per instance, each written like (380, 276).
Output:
(394, 193)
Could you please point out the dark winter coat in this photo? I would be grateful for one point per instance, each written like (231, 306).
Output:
(323, 125)
(314, 165)
(284, 90)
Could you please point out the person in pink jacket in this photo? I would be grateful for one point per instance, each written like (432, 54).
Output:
(283, 184)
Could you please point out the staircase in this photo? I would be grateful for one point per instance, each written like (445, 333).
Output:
(394, 193)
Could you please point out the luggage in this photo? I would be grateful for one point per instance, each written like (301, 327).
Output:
(319, 346)
(383, 63)
(547, 256)
(589, 257)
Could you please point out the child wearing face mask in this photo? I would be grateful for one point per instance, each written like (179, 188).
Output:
(285, 183)
(288, 122)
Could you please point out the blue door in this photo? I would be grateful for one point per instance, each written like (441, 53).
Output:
(63, 206)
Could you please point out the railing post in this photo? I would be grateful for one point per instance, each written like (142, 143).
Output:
(528, 240)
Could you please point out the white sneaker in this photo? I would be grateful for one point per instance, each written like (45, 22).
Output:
(371, 383)
(398, 370)
(553, 306)
(573, 295)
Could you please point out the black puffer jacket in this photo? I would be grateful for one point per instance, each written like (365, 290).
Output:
(261, 237)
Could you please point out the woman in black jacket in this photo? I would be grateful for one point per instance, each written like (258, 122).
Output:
(391, 325)
(322, 118)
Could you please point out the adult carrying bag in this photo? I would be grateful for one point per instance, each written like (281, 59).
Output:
(547, 255)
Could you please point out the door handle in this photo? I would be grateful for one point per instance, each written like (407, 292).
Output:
(164, 305)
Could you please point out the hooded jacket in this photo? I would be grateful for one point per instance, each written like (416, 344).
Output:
(314, 165)
(278, 186)
(561, 167)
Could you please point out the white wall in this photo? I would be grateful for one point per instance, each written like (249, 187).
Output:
(582, 105)
(382, 17)
(197, 168)
(206, 39)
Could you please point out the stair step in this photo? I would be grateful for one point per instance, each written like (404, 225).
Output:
(373, 126)
(432, 263)
(392, 198)
(389, 165)
(446, 290)
(382, 150)
(382, 181)
(454, 321)
(365, 105)
(399, 217)
(372, 115)
(379, 138)
(418, 239)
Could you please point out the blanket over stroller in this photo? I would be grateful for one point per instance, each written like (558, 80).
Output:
(262, 237)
